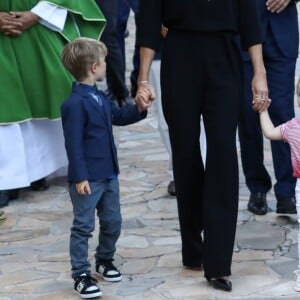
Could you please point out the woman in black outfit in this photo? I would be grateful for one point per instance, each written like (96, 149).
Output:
(201, 75)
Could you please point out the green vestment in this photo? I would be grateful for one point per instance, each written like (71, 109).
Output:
(33, 81)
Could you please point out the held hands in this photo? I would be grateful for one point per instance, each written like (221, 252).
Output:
(144, 96)
(83, 188)
(261, 100)
(277, 5)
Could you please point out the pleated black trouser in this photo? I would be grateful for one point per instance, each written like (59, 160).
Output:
(201, 74)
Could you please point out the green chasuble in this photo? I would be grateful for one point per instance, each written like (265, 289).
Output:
(33, 80)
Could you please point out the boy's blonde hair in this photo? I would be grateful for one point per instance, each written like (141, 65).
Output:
(80, 53)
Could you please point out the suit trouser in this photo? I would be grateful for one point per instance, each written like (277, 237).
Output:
(115, 73)
(281, 82)
(123, 14)
(154, 79)
(208, 84)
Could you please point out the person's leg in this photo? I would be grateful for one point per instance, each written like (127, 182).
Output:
(251, 141)
(84, 207)
(110, 220)
(134, 4)
(123, 14)
(154, 79)
(115, 67)
(181, 102)
(281, 83)
(221, 94)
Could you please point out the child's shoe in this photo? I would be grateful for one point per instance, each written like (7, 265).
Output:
(108, 271)
(86, 287)
(297, 275)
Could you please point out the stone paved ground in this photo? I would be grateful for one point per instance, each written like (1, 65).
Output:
(34, 261)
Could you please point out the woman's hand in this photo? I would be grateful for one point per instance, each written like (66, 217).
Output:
(261, 100)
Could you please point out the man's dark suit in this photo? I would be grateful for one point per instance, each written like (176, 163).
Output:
(115, 74)
(280, 50)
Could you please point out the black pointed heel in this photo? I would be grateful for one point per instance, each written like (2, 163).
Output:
(220, 283)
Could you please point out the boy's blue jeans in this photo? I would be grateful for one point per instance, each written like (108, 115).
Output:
(105, 199)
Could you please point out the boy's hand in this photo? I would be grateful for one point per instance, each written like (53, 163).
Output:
(298, 91)
(142, 101)
(83, 188)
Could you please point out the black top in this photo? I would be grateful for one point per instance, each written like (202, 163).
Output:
(236, 16)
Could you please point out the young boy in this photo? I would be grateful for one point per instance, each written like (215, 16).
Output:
(290, 133)
(87, 119)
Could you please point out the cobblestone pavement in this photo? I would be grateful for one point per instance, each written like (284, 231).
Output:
(34, 260)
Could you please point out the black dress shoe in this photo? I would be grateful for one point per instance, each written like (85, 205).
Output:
(258, 204)
(39, 185)
(4, 198)
(220, 283)
(286, 205)
(171, 188)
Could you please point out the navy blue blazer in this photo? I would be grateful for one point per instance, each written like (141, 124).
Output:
(284, 27)
(87, 119)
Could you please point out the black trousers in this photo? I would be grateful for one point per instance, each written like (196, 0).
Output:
(201, 75)
(115, 73)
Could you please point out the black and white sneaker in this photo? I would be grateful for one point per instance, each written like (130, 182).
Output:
(86, 287)
(108, 271)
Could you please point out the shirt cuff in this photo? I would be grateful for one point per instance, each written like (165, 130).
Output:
(51, 16)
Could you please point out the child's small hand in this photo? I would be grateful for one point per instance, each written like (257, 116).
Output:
(298, 92)
(144, 96)
(83, 188)
(142, 101)
(260, 103)
(145, 90)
